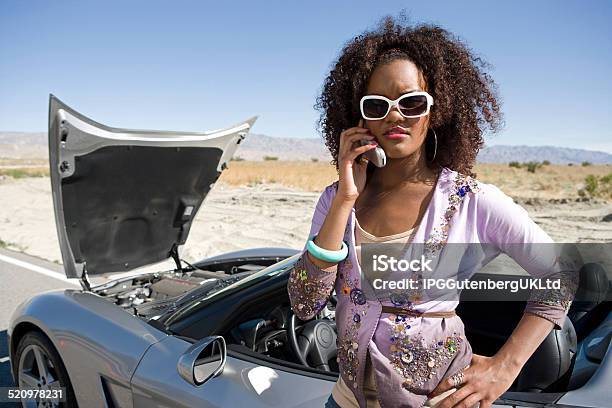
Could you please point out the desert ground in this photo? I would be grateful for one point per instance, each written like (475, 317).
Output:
(270, 203)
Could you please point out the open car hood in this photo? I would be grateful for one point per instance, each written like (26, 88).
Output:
(126, 198)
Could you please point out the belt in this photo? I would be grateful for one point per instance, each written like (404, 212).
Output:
(400, 311)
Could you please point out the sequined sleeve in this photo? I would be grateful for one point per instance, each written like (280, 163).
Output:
(309, 286)
(553, 304)
(510, 228)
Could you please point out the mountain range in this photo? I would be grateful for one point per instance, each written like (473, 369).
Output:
(257, 146)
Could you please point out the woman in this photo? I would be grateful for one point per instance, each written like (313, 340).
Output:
(437, 102)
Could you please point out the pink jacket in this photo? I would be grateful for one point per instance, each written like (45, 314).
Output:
(411, 355)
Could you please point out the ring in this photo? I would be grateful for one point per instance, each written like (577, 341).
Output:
(457, 379)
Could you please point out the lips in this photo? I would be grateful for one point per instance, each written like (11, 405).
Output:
(396, 133)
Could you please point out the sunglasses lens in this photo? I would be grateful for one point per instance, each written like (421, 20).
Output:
(375, 108)
(413, 105)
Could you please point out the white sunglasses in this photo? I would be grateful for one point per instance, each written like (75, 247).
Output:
(411, 105)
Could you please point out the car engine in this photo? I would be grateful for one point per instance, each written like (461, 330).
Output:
(150, 295)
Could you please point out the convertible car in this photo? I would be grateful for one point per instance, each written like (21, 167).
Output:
(220, 332)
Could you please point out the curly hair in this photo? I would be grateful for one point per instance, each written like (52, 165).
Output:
(466, 101)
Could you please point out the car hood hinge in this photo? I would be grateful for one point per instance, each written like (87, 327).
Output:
(85, 280)
(177, 259)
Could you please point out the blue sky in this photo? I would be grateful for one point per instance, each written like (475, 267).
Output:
(196, 65)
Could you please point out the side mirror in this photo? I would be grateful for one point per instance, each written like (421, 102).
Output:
(203, 360)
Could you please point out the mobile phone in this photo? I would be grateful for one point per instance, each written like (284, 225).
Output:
(376, 155)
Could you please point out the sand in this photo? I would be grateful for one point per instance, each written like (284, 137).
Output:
(262, 215)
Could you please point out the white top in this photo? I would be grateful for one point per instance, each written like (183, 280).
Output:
(363, 236)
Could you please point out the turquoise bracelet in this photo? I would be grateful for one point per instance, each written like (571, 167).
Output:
(326, 254)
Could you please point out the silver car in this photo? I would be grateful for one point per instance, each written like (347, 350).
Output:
(220, 332)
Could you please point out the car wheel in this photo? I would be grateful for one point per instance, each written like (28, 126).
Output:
(38, 365)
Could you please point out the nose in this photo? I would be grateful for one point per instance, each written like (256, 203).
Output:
(394, 115)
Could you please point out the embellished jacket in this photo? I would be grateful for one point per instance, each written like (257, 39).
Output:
(411, 354)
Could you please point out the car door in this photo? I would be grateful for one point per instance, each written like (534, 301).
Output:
(157, 382)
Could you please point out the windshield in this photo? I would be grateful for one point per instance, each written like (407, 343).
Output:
(270, 271)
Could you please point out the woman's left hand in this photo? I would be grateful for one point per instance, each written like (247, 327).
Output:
(483, 381)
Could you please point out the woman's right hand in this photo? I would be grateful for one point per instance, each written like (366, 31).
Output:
(352, 172)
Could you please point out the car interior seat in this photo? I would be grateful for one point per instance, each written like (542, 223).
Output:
(550, 367)
(593, 289)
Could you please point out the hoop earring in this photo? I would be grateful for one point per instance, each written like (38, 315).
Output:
(435, 144)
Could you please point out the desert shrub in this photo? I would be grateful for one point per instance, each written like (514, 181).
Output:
(236, 158)
(590, 184)
(546, 163)
(598, 186)
(314, 159)
(20, 173)
(532, 166)
(605, 185)
(12, 245)
(267, 158)
(586, 163)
